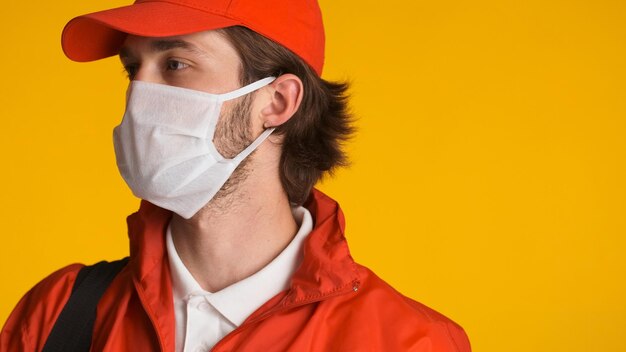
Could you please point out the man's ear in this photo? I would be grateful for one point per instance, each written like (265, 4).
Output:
(286, 98)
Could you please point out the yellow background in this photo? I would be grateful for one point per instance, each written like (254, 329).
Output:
(487, 178)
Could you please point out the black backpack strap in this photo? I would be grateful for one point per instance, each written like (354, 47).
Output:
(74, 327)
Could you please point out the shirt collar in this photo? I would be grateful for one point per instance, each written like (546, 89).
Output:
(237, 301)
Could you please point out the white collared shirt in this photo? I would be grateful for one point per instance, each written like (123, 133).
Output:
(203, 318)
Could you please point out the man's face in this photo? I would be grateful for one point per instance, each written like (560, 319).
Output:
(204, 61)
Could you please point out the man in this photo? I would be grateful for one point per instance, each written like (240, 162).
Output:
(227, 128)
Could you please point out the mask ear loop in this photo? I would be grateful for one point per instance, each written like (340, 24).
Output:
(249, 149)
(246, 89)
(239, 93)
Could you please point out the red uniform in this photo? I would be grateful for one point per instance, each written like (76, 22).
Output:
(332, 304)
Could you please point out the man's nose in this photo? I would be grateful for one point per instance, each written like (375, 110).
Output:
(148, 73)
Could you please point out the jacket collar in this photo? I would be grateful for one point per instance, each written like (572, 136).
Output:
(326, 268)
(150, 270)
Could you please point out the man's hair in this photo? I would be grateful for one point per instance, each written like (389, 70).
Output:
(314, 135)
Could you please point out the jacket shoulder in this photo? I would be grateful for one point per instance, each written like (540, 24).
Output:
(413, 322)
(32, 319)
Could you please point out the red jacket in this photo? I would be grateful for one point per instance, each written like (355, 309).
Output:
(333, 304)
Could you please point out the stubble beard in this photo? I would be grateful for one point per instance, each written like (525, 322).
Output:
(232, 135)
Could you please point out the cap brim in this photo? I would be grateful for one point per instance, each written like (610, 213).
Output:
(101, 34)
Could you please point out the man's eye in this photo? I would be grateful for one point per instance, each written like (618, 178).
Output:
(173, 65)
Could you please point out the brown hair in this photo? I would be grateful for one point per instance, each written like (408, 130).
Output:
(314, 135)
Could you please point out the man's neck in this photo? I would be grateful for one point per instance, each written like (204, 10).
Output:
(236, 236)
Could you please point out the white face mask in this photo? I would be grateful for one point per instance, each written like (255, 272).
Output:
(164, 145)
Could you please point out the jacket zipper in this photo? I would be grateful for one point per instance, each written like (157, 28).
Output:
(148, 310)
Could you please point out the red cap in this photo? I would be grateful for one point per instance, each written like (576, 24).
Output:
(295, 24)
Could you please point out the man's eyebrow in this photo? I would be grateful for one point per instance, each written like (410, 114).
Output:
(124, 53)
(165, 45)
(169, 44)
